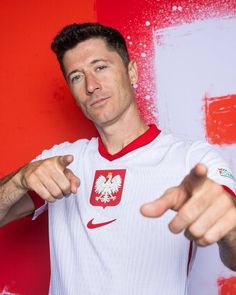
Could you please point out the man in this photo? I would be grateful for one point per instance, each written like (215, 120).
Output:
(99, 241)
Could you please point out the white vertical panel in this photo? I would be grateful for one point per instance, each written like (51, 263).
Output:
(192, 61)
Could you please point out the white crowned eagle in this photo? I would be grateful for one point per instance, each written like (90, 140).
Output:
(107, 186)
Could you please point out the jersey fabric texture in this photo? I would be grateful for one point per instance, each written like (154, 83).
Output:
(99, 241)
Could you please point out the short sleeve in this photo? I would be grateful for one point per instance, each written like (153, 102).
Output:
(218, 169)
(57, 150)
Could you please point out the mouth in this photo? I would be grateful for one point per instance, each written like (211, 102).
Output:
(98, 102)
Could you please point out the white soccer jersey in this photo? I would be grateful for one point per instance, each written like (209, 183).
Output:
(99, 241)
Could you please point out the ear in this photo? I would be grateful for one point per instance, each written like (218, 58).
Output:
(133, 72)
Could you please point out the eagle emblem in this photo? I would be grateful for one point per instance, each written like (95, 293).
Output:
(107, 187)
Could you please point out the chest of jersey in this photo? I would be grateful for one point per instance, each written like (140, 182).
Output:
(102, 230)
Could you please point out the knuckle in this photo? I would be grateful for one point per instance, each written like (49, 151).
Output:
(188, 235)
(208, 239)
(31, 181)
(196, 231)
(200, 242)
(50, 199)
(46, 164)
(66, 190)
(65, 186)
(200, 203)
(47, 197)
(56, 193)
(186, 215)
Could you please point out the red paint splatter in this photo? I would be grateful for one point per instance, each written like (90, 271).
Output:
(139, 19)
(227, 286)
(220, 119)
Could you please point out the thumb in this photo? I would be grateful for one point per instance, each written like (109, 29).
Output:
(175, 197)
(159, 206)
(64, 161)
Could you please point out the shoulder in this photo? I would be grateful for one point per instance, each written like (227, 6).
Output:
(197, 147)
(193, 152)
(65, 148)
(219, 169)
(176, 145)
(200, 151)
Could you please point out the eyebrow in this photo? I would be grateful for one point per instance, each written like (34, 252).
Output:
(92, 63)
(98, 60)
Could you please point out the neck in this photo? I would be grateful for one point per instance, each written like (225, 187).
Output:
(119, 134)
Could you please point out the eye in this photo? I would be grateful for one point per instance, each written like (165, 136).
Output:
(76, 78)
(100, 68)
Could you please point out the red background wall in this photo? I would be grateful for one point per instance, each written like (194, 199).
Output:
(37, 110)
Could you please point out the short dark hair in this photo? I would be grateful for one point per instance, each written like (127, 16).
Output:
(73, 34)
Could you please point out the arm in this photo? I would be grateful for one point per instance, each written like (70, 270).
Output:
(205, 211)
(14, 203)
(227, 249)
(49, 178)
(22, 208)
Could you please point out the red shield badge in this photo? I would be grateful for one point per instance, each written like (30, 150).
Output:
(107, 187)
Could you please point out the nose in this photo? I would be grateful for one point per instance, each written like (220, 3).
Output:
(92, 84)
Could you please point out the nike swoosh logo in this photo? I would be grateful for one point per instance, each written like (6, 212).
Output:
(92, 225)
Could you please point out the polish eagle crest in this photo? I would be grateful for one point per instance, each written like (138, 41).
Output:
(106, 187)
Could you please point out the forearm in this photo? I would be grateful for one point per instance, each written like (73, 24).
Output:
(49, 178)
(10, 193)
(227, 249)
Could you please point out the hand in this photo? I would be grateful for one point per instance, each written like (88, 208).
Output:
(205, 211)
(49, 178)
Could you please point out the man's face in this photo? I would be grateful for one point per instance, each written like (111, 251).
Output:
(99, 81)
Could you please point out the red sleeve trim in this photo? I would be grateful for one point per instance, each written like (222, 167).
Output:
(37, 200)
(190, 254)
(229, 191)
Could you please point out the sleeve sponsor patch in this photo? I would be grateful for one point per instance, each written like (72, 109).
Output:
(225, 173)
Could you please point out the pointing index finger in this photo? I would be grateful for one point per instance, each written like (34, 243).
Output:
(64, 161)
(195, 179)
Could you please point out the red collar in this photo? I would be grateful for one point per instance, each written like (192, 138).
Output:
(140, 141)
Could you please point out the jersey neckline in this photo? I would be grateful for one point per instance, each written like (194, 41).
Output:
(144, 139)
